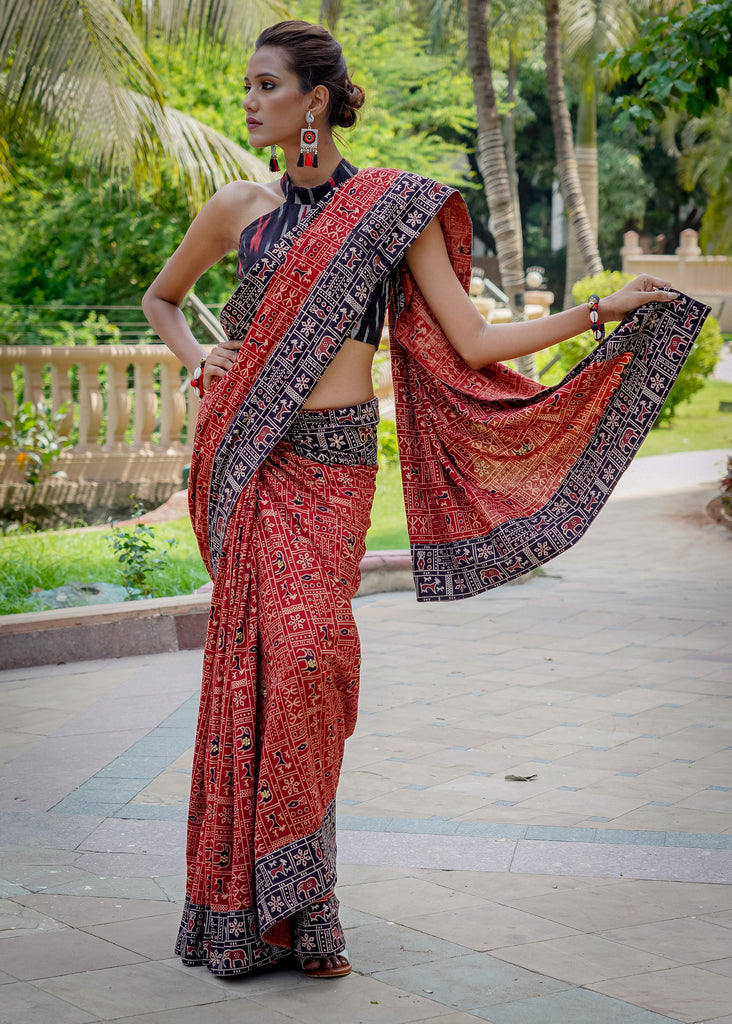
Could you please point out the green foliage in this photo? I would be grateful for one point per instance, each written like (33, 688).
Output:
(32, 432)
(69, 237)
(697, 424)
(419, 105)
(388, 519)
(624, 192)
(679, 62)
(139, 557)
(696, 369)
(46, 560)
(707, 160)
(388, 445)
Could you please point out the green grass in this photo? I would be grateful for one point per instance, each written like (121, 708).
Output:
(388, 519)
(46, 560)
(698, 424)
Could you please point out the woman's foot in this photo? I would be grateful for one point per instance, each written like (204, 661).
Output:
(335, 966)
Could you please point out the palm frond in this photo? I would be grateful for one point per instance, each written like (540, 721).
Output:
(203, 22)
(58, 55)
(204, 159)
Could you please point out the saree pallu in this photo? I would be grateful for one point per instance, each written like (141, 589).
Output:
(499, 473)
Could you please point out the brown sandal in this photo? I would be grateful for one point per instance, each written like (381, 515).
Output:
(334, 971)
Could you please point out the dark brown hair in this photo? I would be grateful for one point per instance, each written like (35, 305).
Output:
(317, 59)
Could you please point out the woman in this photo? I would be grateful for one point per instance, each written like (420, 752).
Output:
(499, 475)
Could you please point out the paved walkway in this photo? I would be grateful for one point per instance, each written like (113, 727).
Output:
(599, 891)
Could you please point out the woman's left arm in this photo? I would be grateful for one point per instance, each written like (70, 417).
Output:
(480, 343)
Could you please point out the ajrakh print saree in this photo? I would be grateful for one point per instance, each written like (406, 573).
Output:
(499, 475)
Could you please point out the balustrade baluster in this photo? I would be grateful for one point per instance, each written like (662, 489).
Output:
(172, 407)
(32, 379)
(146, 403)
(7, 392)
(91, 406)
(119, 403)
(61, 396)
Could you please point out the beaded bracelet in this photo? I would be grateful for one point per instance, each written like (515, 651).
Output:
(598, 329)
(197, 378)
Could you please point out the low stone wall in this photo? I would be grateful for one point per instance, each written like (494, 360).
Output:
(153, 626)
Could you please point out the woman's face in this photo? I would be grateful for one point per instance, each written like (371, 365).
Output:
(274, 105)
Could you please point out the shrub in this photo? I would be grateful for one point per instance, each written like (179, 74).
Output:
(32, 432)
(696, 369)
(388, 446)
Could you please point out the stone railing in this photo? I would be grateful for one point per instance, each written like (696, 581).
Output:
(708, 278)
(126, 406)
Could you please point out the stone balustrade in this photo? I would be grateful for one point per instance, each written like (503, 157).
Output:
(126, 407)
(708, 278)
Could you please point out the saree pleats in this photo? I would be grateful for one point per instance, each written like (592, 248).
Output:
(279, 698)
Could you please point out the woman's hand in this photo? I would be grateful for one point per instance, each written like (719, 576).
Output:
(220, 360)
(643, 289)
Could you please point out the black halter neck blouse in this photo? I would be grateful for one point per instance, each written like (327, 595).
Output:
(259, 236)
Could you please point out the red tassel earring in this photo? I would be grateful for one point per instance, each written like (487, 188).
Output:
(308, 143)
(273, 165)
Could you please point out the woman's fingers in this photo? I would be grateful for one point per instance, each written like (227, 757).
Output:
(220, 360)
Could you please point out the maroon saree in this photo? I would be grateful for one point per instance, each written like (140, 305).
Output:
(499, 475)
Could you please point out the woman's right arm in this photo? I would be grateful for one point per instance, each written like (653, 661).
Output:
(214, 232)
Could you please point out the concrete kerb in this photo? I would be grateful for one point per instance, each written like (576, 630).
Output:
(154, 626)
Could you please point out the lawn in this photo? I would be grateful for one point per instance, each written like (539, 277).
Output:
(46, 560)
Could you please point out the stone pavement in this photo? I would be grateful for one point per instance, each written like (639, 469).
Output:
(599, 891)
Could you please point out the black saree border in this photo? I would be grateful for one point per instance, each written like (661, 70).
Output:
(371, 251)
(660, 337)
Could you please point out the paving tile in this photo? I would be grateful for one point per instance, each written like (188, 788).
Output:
(236, 1011)
(582, 959)
(23, 1003)
(57, 953)
(719, 967)
(595, 909)
(23, 829)
(18, 920)
(573, 1007)
(125, 991)
(685, 940)
(509, 889)
(83, 911)
(152, 937)
(118, 888)
(353, 999)
(466, 982)
(403, 897)
(379, 945)
(8, 889)
(688, 994)
(672, 864)
(435, 851)
(487, 926)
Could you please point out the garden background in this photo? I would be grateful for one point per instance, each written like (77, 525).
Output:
(90, 211)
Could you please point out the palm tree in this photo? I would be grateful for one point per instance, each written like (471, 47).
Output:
(574, 202)
(76, 71)
(491, 152)
(593, 27)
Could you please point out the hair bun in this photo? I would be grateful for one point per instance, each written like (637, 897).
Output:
(353, 100)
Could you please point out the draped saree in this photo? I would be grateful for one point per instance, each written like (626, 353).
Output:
(499, 474)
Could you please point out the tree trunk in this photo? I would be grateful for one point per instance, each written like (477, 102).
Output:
(505, 220)
(509, 129)
(568, 173)
(586, 153)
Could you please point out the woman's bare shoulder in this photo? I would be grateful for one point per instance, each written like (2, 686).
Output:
(241, 202)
